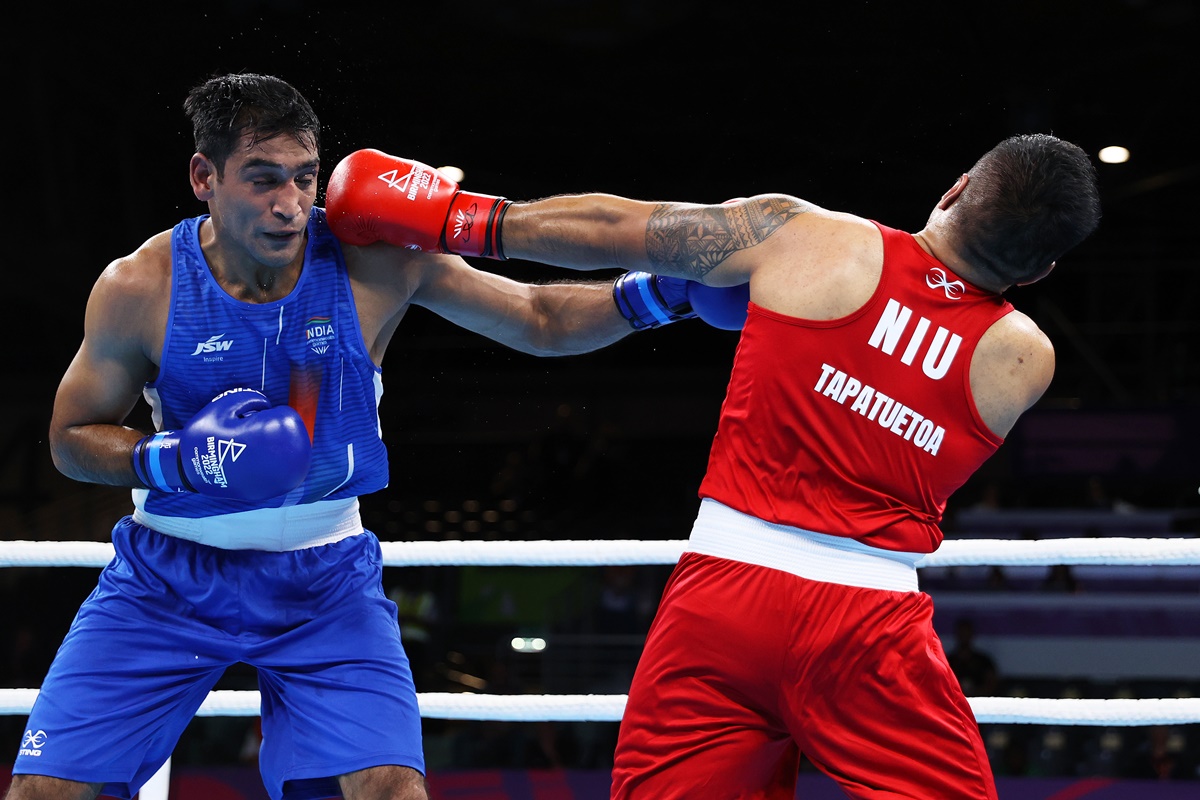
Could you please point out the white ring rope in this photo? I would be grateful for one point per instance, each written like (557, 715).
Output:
(609, 708)
(1112, 550)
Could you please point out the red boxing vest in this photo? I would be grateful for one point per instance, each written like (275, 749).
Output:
(861, 426)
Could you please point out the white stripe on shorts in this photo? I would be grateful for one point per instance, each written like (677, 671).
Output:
(725, 533)
(272, 529)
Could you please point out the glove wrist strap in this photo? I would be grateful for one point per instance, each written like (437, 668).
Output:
(472, 225)
(156, 462)
(640, 300)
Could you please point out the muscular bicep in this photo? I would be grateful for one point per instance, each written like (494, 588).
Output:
(97, 388)
(712, 244)
(102, 384)
(1010, 371)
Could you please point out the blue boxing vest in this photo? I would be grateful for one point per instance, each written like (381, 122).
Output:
(305, 350)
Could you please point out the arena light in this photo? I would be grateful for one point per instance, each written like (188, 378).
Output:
(1114, 154)
(453, 173)
(528, 644)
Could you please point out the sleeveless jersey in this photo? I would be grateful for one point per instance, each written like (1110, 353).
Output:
(305, 350)
(861, 426)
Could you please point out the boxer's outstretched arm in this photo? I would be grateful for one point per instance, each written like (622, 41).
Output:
(551, 319)
(710, 244)
(373, 196)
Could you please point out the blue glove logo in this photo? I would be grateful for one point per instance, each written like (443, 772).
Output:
(226, 447)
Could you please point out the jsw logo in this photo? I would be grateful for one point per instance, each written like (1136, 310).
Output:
(212, 345)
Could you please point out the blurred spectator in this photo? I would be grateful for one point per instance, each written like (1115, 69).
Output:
(417, 613)
(1162, 756)
(1098, 495)
(560, 473)
(975, 669)
(622, 607)
(997, 580)
(1061, 579)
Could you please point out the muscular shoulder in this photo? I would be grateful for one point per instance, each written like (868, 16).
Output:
(131, 298)
(1012, 368)
(839, 237)
(822, 265)
(384, 279)
(143, 275)
(1018, 344)
(779, 226)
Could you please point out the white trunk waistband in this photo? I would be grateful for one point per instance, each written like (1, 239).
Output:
(272, 529)
(725, 533)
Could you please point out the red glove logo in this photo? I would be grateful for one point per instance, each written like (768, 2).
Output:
(464, 221)
(416, 180)
(423, 209)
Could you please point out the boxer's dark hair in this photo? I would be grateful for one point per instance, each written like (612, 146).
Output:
(1029, 200)
(225, 108)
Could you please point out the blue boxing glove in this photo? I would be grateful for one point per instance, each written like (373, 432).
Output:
(722, 307)
(237, 447)
(651, 301)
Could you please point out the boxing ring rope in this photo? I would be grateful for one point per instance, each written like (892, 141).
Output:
(1109, 551)
(610, 707)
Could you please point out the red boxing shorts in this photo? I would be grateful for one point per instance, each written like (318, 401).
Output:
(746, 666)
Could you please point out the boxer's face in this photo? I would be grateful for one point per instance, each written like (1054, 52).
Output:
(261, 202)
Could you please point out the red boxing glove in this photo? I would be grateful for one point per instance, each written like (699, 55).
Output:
(373, 197)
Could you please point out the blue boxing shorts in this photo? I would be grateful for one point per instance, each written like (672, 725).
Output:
(166, 619)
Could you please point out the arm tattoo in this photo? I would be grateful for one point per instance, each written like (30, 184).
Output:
(697, 240)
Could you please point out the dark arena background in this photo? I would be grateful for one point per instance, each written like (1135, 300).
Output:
(872, 108)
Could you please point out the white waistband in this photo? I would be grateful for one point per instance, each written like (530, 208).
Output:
(271, 529)
(725, 533)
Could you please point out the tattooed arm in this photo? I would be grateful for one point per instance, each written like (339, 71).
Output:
(712, 244)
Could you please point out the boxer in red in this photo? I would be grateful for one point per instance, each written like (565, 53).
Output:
(877, 370)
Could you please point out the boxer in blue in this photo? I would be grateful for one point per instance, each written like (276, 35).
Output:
(256, 338)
